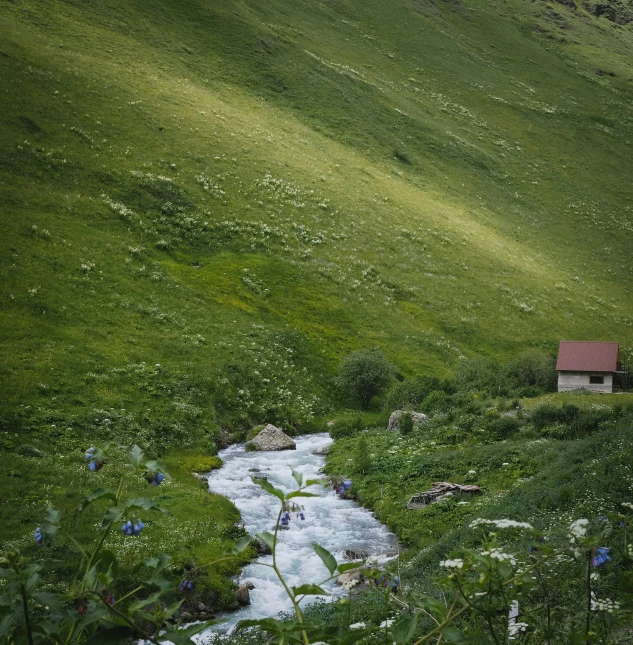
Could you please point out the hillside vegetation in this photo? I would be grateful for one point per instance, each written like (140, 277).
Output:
(207, 205)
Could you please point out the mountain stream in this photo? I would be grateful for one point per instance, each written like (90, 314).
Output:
(332, 522)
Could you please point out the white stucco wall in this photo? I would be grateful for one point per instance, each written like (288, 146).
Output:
(575, 380)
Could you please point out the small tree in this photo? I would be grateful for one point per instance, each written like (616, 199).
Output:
(364, 374)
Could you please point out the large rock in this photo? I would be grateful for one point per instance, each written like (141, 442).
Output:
(322, 450)
(271, 438)
(242, 596)
(418, 419)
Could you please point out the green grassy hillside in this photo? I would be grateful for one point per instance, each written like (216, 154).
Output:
(206, 205)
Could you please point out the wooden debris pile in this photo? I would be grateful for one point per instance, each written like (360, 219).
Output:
(438, 491)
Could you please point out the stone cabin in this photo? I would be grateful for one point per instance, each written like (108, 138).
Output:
(592, 365)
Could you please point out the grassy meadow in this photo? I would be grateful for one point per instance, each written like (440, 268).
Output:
(207, 205)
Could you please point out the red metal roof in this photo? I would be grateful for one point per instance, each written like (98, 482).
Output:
(587, 356)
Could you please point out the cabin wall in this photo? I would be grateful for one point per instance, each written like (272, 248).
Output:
(575, 380)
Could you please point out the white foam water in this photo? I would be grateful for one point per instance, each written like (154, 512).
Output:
(334, 523)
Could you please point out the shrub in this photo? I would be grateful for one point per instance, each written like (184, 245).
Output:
(405, 423)
(346, 427)
(364, 374)
(436, 401)
(533, 369)
(503, 428)
(411, 393)
(545, 415)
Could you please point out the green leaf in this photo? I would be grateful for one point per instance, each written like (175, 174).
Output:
(313, 482)
(300, 493)
(298, 477)
(99, 493)
(269, 488)
(139, 604)
(328, 559)
(136, 456)
(146, 503)
(404, 630)
(346, 566)
(241, 544)
(267, 538)
(309, 590)
(154, 466)
(113, 514)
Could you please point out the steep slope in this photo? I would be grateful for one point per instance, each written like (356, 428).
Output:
(242, 192)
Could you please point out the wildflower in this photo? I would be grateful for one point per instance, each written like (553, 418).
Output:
(628, 505)
(600, 557)
(498, 554)
(95, 465)
(155, 479)
(110, 599)
(187, 586)
(89, 452)
(458, 563)
(132, 529)
(357, 626)
(386, 623)
(578, 529)
(349, 585)
(39, 536)
(472, 472)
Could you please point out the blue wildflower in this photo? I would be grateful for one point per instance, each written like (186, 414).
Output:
(127, 528)
(89, 452)
(158, 479)
(187, 586)
(600, 557)
(39, 536)
(138, 527)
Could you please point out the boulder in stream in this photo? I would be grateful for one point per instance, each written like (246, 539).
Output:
(272, 438)
(322, 450)
(242, 596)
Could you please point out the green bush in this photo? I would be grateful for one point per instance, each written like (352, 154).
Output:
(436, 401)
(405, 423)
(534, 370)
(364, 374)
(503, 428)
(412, 392)
(346, 427)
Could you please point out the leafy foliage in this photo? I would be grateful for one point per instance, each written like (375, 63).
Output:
(364, 374)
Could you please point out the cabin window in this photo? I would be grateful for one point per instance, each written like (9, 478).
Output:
(596, 380)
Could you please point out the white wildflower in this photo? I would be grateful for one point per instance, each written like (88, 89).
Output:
(357, 626)
(497, 554)
(628, 505)
(349, 585)
(386, 623)
(457, 563)
(578, 529)
(472, 472)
